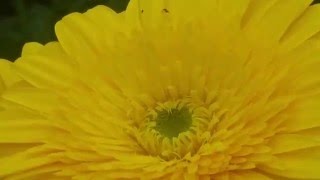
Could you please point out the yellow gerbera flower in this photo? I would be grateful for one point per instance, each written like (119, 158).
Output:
(179, 89)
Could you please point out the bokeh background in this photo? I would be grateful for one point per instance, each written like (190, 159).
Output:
(24, 21)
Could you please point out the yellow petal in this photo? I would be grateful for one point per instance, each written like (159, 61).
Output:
(290, 142)
(132, 14)
(12, 148)
(43, 172)
(95, 34)
(40, 100)
(313, 132)
(32, 158)
(256, 10)
(270, 21)
(80, 33)
(231, 13)
(76, 33)
(23, 130)
(302, 29)
(304, 71)
(246, 175)
(302, 164)
(48, 68)
(305, 115)
(151, 11)
(2, 85)
(7, 75)
(31, 48)
(107, 20)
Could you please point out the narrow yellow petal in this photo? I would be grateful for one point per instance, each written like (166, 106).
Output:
(32, 158)
(290, 142)
(79, 33)
(256, 10)
(231, 13)
(133, 14)
(302, 164)
(107, 20)
(7, 75)
(302, 29)
(306, 116)
(151, 11)
(2, 85)
(273, 13)
(40, 100)
(42, 172)
(47, 68)
(29, 132)
(31, 48)
(248, 174)
(8, 149)
(21, 126)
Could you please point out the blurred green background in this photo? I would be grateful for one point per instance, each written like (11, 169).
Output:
(24, 21)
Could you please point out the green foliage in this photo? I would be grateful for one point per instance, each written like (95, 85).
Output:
(24, 21)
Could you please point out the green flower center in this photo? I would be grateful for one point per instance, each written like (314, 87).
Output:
(171, 123)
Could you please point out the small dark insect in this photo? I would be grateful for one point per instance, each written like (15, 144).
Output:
(142, 11)
(165, 10)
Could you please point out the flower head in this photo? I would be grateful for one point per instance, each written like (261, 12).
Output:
(179, 89)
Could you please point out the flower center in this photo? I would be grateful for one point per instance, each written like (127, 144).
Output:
(172, 122)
